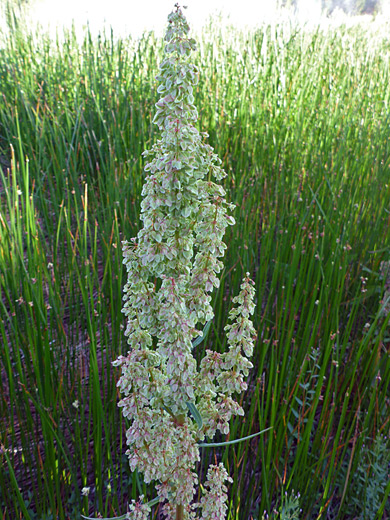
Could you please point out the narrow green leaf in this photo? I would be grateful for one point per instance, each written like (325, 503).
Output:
(138, 480)
(195, 413)
(15, 483)
(214, 444)
(197, 341)
(153, 502)
(122, 517)
(168, 410)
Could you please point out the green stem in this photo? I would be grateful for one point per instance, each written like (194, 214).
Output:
(179, 512)
(179, 507)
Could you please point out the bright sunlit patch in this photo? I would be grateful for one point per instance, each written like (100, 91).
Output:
(135, 17)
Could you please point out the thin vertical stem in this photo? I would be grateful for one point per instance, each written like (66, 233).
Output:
(179, 512)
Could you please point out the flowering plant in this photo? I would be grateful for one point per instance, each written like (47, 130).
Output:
(173, 266)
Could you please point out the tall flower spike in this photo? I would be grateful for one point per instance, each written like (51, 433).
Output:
(173, 266)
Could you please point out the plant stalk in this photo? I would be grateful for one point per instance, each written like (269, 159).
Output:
(179, 512)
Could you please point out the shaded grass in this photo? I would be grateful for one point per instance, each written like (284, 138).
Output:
(301, 121)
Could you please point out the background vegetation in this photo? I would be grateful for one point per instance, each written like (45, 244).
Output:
(301, 121)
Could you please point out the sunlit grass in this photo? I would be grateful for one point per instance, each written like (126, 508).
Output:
(301, 121)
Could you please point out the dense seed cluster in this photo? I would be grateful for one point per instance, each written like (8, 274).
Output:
(173, 266)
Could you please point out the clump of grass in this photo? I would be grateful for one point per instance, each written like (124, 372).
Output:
(300, 119)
